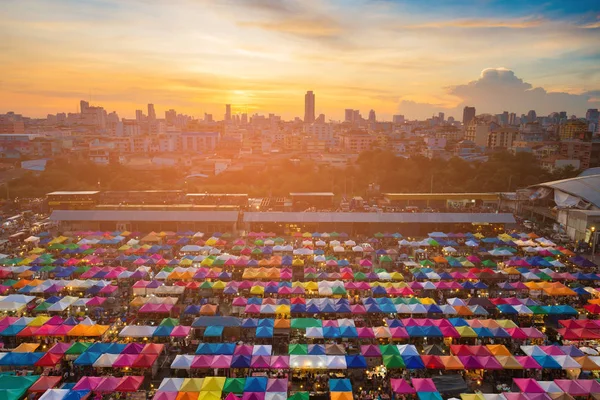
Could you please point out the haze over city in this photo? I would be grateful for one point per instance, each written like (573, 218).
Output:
(397, 57)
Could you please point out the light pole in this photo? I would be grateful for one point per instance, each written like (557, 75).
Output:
(594, 241)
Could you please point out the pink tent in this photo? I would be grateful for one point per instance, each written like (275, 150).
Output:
(88, 383)
(571, 387)
(129, 384)
(221, 361)
(280, 362)
(528, 362)
(108, 289)
(424, 385)
(165, 396)
(203, 361)
(365, 332)
(528, 385)
(399, 332)
(260, 362)
(96, 301)
(108, 384)
(243, 349)
(516, 333)
(60, 348)
(515, 396)
(401, 386)
(590, 385)
(489, 362)
(61, 330)
(180, 331)
(370, 350)
(124, 360)
(532, 333)
(358, 309)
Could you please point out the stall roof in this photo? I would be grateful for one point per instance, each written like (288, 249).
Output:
(441, 196)
(310, 194)
(341, 217)
(131, 215)
(65, 193)
(584, 187)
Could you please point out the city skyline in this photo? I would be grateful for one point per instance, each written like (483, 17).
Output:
(262, 56)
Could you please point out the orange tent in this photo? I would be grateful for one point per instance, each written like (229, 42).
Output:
(451, 362)
(339, 396)
(587, 364)
(508, 361)
(208, 309)
(498, 350)
(282, 324)
(187, 396)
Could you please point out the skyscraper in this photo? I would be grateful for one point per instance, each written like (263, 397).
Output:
(398, 119)
(151, 112)
(441, 116)
(227, 112)
(468, 114)
(372, 117)
(139, 115)
(592, 115)
(309, 107)
(531, 116)
(348, 114)
(83, 106)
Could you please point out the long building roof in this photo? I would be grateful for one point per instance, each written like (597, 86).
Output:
(584, 187)
(348, 217)
(144, 215)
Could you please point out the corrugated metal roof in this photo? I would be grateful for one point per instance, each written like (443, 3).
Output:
(137, 215)
(585, 187)
(341, 217)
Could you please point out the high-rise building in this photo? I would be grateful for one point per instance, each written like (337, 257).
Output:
(356, 117)
(83, 106)
(139, 115)
(592, 115)
(531, 116)
(151, 112)
(244, 119)
(512, 119)
(208, 117)
(441, 116)
(348, 114)
(372, 117)
(468, 115)
(227, 112)
(562, 115)
(572, 129)
(398, 119)
(309, 107)
(171, 116)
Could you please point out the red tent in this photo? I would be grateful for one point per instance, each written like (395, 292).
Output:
(129, 384)
(45, 383)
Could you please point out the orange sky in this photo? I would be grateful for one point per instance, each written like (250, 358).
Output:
(262, 55)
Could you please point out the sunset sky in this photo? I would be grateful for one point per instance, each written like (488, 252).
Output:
(398, 57)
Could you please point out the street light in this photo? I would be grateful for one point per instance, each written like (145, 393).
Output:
(594, 240)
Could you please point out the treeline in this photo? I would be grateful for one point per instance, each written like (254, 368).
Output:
(503, 172)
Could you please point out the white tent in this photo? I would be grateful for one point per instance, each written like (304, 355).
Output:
(336, 362)
(181, 362)
(137, 331)
(105, 360)
(170, 384)
(55, 394)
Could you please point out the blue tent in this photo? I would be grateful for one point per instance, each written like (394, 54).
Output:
(266, 322)
(432, 331)
(429, 395)
(547, 362)
(507, 309)
(255, 384)
(213, 331)
(206, 349)
(348, 332)
(331, 332)
(225, 348)
(12, 330)
(413, 362)
(87, 358)
(264, 332)
(415, 331)
(255, 301)
(340, 385)
(316, 350)
(76, 395)
(499, 332)
(20, 359)
(483, 332)
(298, 308)
(216, 321)
(356, 361)
(240, 361)
(192, 309)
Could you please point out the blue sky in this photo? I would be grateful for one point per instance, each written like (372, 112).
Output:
(410, 57)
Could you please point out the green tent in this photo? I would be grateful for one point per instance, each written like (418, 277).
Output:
(78, 348)
(81, 270)
(169, 322)
(427, 263)
(259, 242)
(234, 385)
(393, 362)
(385, 258)
(489, 264)
(538, 310)
(338, 290)
(433, 242)
(56, 246)
(334, 234)
(206, 285)
(278, 240)
(11, 382)
(298, 349)
(256, 250)
(218, 262)
(168, 269)
(237, 248)
(389, 350)
(303, 323)
(299, 396)
(12, 394)
(42, 307)
(9, 282)
(378, 235)
(360, 276)
(544, 276)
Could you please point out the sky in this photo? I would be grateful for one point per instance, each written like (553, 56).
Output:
(415, 58)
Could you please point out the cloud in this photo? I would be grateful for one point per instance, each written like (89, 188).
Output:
(498, 90)
(301, 27)
(477, 23)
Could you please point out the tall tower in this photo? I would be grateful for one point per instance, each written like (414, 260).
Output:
(372, 117)
(309, 107)
(151, 112)
(468, 114)
(83, 106)
(227, 112)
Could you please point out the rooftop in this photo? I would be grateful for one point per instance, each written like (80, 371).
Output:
(143, 215)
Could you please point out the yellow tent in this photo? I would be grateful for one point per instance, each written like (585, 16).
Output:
(26, 348)
(191, 385)
(213, 384)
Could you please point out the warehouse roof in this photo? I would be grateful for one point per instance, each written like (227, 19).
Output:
(143, 215)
